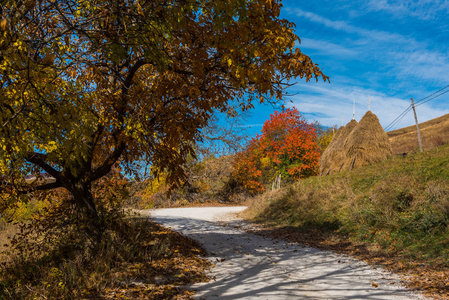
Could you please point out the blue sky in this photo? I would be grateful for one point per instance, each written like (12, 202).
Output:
(388, 51)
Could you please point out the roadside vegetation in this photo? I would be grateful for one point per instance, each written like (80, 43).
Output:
(287, 149)
(397, 210)
(46, 252)
(207, 185)
(136, 259)
(400, 204)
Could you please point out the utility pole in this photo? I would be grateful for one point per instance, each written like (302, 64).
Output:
(417, 126)
(353, 110)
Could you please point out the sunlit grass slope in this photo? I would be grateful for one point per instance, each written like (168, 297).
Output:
(400, 205)
(433, 133)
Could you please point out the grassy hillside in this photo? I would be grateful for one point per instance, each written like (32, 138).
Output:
(433, 133)
(400, 205)
(396, 211)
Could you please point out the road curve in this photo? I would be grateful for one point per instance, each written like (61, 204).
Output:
(248, 266)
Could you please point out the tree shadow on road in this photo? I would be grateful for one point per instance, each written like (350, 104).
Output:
(253, 266)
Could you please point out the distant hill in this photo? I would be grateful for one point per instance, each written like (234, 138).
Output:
(434, 133)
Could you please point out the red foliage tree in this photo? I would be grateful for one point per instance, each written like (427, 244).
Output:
(287, 147)
(247, 168)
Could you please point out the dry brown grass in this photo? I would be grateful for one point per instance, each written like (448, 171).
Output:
(334, 156)
(367, 143)
(434, 133)
(137, 260)
(7, 230)
(356, 145)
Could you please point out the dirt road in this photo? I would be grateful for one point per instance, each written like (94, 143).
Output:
(248, 266)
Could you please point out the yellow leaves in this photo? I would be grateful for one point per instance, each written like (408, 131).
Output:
(265, 161)
(3, 166)
(19, 45)
(4, 25)
(324, 139)
(71, 72)
(157, 185)
(51, 146)
(140, 10)
(5, 64)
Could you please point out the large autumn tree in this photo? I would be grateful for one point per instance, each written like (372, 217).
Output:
(89, 83)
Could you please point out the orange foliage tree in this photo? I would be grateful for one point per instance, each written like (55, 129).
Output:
(286, 147)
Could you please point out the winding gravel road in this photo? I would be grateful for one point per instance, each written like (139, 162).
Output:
(248, 266)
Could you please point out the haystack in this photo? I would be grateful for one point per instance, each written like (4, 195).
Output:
(367, 144)
(333, 157)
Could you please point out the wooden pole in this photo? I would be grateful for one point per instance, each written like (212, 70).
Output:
(417, 127)
(353, 110)
(352, 164)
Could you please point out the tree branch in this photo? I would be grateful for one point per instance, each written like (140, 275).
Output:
(129, 78)
(38, 159)
(105, 168)
(47, 186)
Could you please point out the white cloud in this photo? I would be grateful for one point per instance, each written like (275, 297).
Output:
(328, 48)
(250, 125)
(328, 104)
(380, 36)
(404, 56)
(337, 25)
(424, 64)
(423, 9)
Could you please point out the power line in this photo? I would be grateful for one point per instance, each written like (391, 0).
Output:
(442, 89)
(398, 118)
(426, 99)
(433, 98)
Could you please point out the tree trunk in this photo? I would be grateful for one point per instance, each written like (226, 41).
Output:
(90, 221)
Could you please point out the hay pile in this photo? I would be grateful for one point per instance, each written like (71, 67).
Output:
(367, 144)
(333, 156)
(356, 145)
